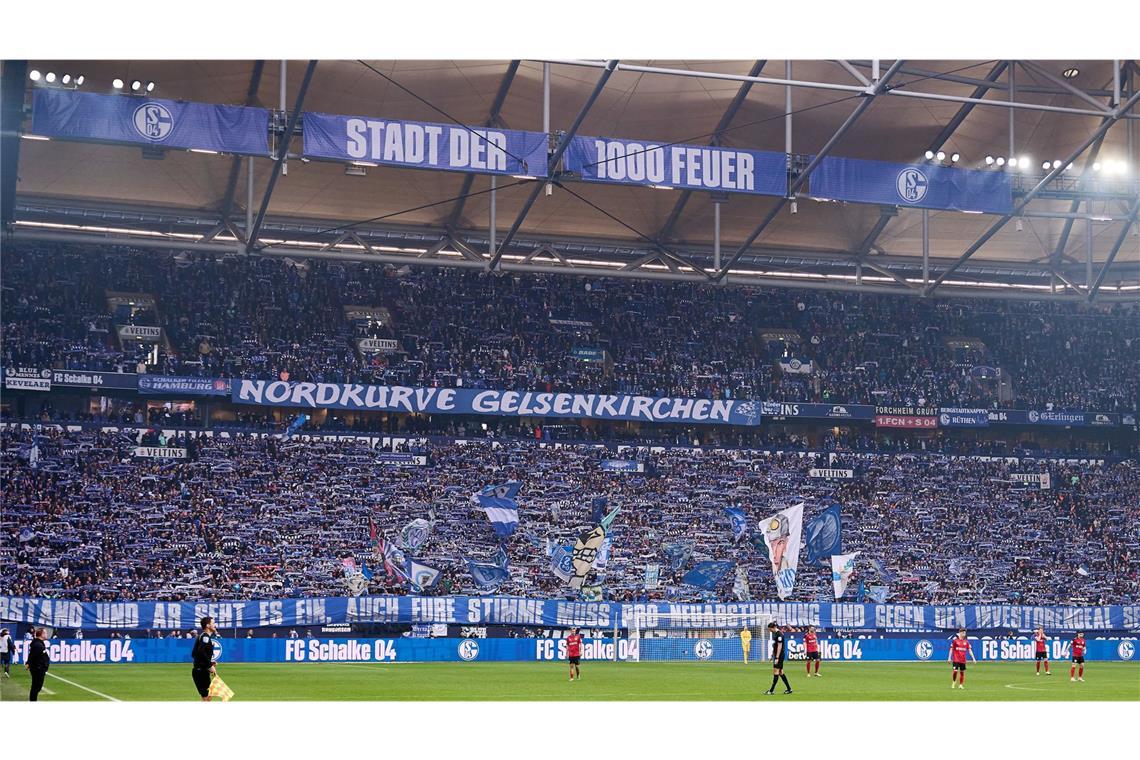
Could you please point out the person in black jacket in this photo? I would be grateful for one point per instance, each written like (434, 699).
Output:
(38, 661)
(7, 649)
(203, 654)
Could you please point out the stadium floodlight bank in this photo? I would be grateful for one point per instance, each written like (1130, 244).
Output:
(698, 637)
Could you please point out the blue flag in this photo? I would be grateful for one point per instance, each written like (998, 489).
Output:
(487, 575)
(739, 522)
(297, 423)
(562, 562)
(598, 509)
(888, 576)
(421, 577)
(365, 571)
(707, 575)
(878, 594)
(678, 554)
(500, 505)
(823, 535)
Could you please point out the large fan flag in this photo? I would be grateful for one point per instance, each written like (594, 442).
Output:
(586, 549)
(739, 522)
(822, 535)
(842, 571)
(782, 537)
(500, 505)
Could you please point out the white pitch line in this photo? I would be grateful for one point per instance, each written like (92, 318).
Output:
(81, 686)
(1022, 688)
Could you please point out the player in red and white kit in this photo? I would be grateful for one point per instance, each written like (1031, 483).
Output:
(574, 653)
(1078, 652)
(811, 649)
(959, 647)
(1040, 639)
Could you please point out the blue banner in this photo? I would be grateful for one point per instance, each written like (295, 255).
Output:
(921, 185)
(509, 610)
(363, 649)
(950, 417)
(1034, 417)
(422, 145)
(822, 535)
(72, 115)
(622, 465)
(89, 379)
(511, 403)
(190, 386)
(818, 411)
(689, 167)
(589, 354)
(707, 574)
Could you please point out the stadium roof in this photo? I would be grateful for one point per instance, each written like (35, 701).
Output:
(963, 107)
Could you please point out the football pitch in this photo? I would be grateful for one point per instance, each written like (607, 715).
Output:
(521, 681)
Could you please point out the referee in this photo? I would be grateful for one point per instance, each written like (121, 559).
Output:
(779, 649)
(37, 663)
(203, 654)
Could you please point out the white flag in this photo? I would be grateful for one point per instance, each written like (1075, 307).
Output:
(842, 570)
(782, 537)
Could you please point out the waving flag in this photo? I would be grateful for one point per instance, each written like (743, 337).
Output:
(349, 564)
(1083, 570)
(219, 690)
(421, 577)
(598, 509)
(592, 593)
(415, 534)
(586, 549)
(707, 575)
(603, 557)
(562, 562)
(500, 505)
(739, 522)
(842, 571)
(879, 594)
(487, 575)
(822, 535)
(652, 577)
(297, 423)
(740, 587)
(888, 576)
(782, 537)
(678, 554)
(393, 559)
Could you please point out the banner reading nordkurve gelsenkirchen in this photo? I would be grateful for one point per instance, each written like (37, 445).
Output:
(71, 115)
(394, 398)
(921, 185)
(935, 647)
(422, 145)
(689, 167)
(509, 610)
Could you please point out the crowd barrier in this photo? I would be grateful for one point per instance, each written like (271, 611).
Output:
(931, 649)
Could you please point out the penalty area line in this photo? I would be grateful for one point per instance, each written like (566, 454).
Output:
(1022, 688)
(81, 686)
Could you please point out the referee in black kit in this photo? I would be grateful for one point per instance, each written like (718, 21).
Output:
(779, 649)
(203, 654)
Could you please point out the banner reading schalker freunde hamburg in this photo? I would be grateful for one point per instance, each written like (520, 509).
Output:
(782, 537)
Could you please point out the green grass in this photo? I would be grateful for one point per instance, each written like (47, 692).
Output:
(602, 681)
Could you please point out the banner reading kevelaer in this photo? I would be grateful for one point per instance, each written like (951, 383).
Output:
(70, 115)
(394, 398)
(422, 145)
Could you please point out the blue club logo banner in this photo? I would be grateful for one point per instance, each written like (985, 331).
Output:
(921, 186)
(72, 115)
(423, 145)
(689, 167)
(511, 403)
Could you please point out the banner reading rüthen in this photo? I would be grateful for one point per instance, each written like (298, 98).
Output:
(495, 402)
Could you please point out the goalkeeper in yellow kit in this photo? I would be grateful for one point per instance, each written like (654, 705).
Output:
(746, 642)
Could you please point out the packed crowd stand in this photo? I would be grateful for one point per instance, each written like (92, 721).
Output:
(251, 317)
(247, 517)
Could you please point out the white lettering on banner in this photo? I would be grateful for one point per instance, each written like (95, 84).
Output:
(440, 609)
(160, 452)
(618, 161)
(167, 615)
(847, 616)
(116, 615)
(376, 609)
(899, 616)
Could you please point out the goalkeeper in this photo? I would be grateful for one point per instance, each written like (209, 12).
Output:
(746, 642)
